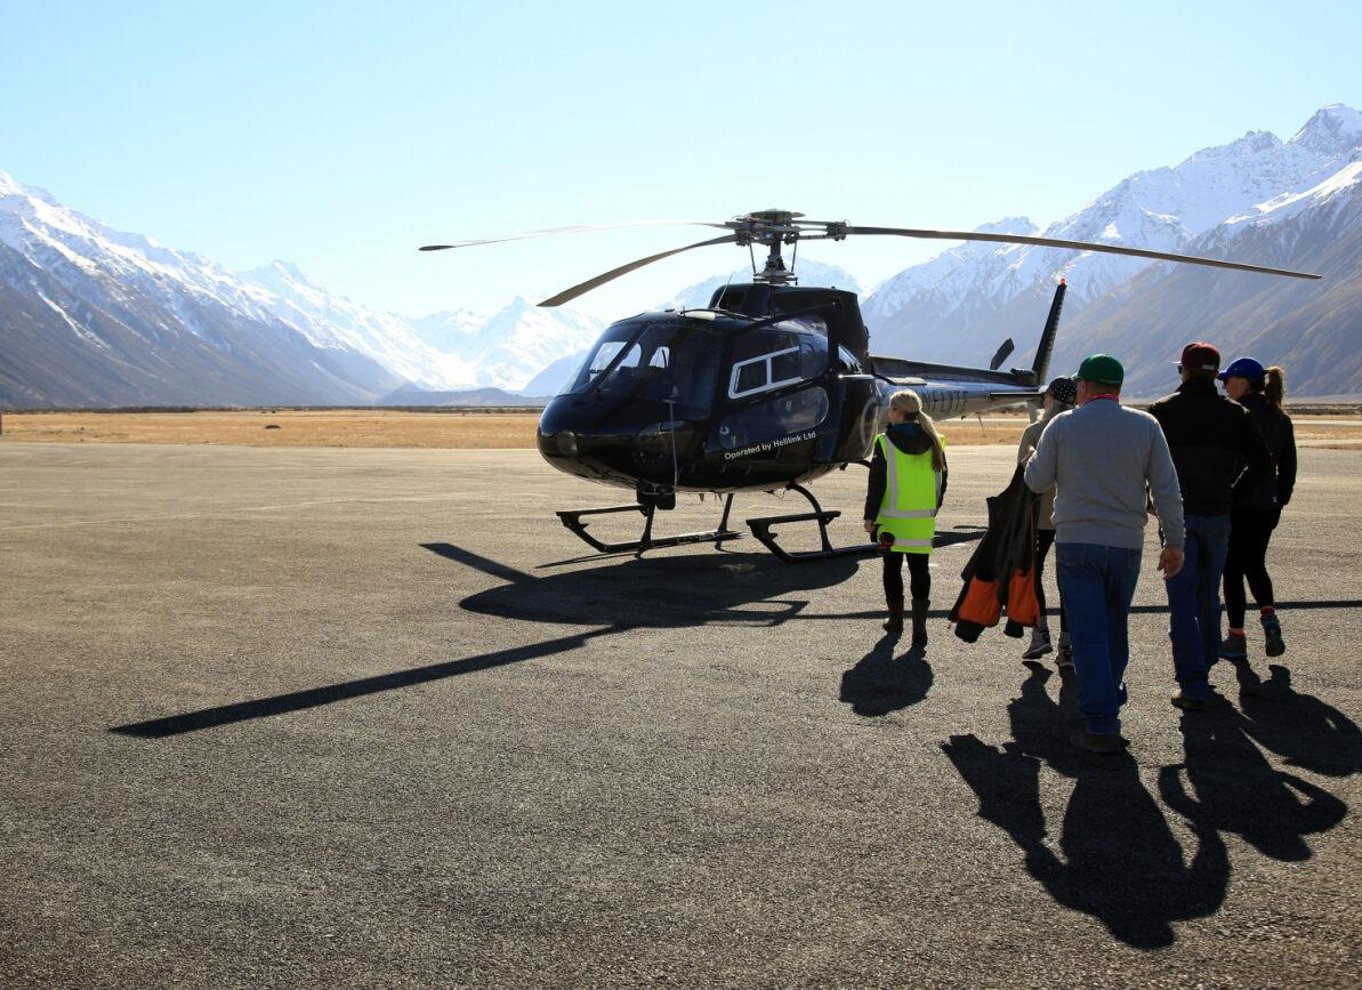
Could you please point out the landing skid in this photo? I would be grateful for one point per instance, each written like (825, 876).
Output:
(761, 529)
(572, 519)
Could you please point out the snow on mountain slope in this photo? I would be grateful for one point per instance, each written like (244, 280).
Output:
(154, 292)
(90, 306)
(334, 321)
(953, 306)
(523, 339)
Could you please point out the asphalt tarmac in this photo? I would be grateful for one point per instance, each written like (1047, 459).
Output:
(374, 718)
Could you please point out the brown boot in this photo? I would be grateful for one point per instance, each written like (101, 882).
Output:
(894, 624)
(920, 621)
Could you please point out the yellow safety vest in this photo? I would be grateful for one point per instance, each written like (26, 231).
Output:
(911, 487)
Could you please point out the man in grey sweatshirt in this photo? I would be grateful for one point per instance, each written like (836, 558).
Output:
(1106, 460)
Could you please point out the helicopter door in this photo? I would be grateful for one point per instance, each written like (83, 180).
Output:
(856, 409)
(774, 395)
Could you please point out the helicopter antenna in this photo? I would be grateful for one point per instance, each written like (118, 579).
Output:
(671, 431)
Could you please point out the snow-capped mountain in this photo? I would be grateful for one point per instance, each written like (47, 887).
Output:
(94, 316)
(523, 339)
(448, 332)
(335, 322)
(1312, 329)
(90, 316)
(963, 302)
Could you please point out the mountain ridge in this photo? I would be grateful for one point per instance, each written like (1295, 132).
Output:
(91, 315)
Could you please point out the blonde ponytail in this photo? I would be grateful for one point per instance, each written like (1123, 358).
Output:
(910, 404)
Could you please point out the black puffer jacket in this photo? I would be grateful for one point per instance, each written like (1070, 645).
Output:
(1274, 491)
(1216, 448)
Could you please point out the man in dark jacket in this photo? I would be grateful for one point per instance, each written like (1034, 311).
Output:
(1216, 450)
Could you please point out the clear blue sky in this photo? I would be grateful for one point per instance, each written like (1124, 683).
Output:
(340, 136)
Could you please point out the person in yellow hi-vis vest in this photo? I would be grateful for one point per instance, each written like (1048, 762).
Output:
(907, 485)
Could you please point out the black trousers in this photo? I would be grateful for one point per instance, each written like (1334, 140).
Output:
(1045, 538)
(919, 577)
(1250, 533)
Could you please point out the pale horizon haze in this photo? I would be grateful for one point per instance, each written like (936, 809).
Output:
(341, 136)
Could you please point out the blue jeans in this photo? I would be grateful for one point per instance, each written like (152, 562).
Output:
(1194, 603)
(1097, 584)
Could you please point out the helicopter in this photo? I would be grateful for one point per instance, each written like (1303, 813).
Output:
(769, 387)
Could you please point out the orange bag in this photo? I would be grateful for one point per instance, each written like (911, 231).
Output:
(980, 603)
(1022, 606)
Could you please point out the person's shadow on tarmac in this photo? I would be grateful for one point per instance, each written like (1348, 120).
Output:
(1303, 730)
(881, 683)
(1117, 860)
(1227, 783)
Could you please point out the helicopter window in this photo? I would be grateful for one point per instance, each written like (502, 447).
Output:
(670, 366)
(606, 353)
(779, 358)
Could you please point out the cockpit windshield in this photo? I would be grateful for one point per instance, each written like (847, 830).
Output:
(674, 360)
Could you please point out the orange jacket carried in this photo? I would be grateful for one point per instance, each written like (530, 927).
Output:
(1001, 574)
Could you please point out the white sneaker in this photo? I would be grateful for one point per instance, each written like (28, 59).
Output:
(1040, 644)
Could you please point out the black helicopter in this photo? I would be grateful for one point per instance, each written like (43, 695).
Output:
(770, 386)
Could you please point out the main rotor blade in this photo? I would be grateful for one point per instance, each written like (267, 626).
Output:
(581, 228)
(971, 235)
(567, 295)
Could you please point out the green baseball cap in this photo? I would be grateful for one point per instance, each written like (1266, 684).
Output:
(1102, 369)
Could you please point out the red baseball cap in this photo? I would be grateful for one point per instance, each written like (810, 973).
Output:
(1200, 358)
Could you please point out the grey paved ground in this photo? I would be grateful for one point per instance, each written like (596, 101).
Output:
(368, 718)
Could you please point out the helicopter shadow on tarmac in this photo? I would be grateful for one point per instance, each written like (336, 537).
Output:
(664, 592)
(661, 592)
(1118, 859)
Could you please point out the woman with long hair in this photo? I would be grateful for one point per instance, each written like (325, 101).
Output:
(1060, 396)
(1255, 513)
(907, 485)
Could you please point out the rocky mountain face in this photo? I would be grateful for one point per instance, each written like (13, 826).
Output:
(1258, 199)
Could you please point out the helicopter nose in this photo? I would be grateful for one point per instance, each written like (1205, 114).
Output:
(562, 443)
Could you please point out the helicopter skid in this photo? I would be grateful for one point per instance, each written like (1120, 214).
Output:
(572, 519)
(761, 529)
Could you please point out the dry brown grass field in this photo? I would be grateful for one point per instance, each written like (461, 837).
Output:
(445, 429)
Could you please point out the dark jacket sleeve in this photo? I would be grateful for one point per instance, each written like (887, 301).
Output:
(1286, 462)
(874, 496)
(1257, 455)
(945, 479)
